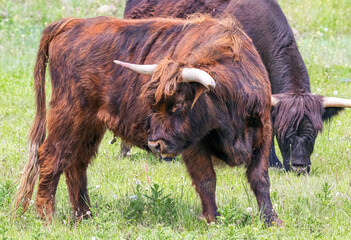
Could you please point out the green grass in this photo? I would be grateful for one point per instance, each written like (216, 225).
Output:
(313, 206)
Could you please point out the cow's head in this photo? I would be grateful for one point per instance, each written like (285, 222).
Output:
(179, 117)
(297, 120)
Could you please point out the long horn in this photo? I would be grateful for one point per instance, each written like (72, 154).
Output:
(274, 101)
(336, 102)
(139, 68)
(198, 75)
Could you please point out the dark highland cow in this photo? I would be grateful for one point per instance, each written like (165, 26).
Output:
(203, 93)
(297, 115)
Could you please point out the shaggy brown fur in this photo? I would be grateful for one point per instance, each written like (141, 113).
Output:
(91, 94)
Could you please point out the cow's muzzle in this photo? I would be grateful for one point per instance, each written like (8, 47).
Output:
(159, 148)
(301, 168)
(156, 146)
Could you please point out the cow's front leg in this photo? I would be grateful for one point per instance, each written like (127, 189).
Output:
(199, 165)
(257, 174)
(273, 159)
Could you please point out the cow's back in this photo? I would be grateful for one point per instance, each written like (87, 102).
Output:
(263, 20)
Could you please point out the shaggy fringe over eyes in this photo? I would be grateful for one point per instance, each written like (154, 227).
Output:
(163, 82)
(291, 109)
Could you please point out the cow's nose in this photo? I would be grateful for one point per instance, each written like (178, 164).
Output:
(155, 146)
(301, 169)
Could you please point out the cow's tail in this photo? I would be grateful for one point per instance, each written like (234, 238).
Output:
(38, 131)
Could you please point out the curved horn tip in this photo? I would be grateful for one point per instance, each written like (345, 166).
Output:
(200, 76)
(274, 101)
(336, 102)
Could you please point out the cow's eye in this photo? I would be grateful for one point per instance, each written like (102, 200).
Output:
(176, 107)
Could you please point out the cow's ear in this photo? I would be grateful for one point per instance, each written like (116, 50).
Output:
(330, 112)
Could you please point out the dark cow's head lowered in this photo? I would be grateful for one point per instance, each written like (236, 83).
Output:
(297, 119)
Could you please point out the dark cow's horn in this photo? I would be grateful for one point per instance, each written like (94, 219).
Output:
(198, 75)
(139, 68)
(336, 102)
(274, 101)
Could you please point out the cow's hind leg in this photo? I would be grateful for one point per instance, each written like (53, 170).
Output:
(76, 173)
(76, 180)
(200, 167)
(49, 176)
(257, 174)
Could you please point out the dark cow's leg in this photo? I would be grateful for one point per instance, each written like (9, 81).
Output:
(273, 159)
(257, 174)
(200, 168)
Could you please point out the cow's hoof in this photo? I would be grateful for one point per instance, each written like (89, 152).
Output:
(275, 222)
(208, 219)
(202, 217)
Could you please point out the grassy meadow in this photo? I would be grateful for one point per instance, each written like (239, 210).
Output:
(138, 197)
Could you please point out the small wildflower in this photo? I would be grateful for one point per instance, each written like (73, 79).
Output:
(338, 122)
(93, 238)
(337, 194)
(137, 181)
(97, 186)
(134, 197)
(319, 90)
(325, 29)
(326, 66)
(316, 154)
(335, 93)
(249, 210)
(88, 213)
(114, 196)
(64, 221)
